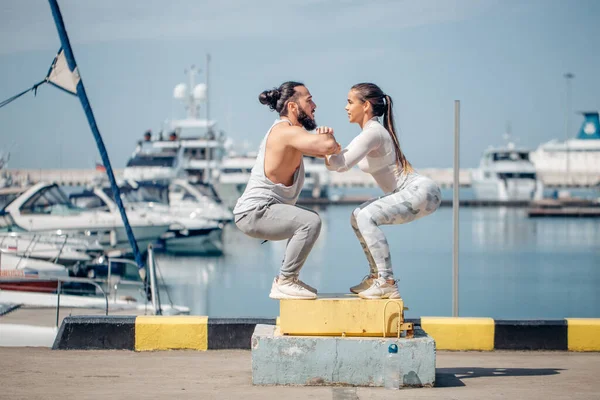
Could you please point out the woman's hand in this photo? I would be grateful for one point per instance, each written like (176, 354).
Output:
(325, 129)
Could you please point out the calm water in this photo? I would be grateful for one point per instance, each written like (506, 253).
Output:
(510, 267)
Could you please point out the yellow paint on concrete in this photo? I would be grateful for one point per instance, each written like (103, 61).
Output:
(337, 316)
(583, 334)
(171, 333)
(460, 333)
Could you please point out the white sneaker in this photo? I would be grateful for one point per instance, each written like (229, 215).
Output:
(306, 286)
(381, 289)
(364, 285)
(289, 288)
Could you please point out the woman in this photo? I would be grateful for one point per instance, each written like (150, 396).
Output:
(408, 195)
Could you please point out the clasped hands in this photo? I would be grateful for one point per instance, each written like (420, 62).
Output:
(325, 130)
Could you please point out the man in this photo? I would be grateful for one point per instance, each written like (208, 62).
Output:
(267, 209)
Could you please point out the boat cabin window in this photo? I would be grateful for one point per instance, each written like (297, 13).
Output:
(154, 160)
(195, 154)
(236, 170)
(140, 194)
(88, 200)
(181, 193)
(207, 190)
(516, 175)
(510, 156)
(49, 200)
(7, 198)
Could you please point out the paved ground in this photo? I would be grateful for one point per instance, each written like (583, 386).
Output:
(37, 373)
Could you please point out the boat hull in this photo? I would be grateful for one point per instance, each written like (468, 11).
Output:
(200, 241)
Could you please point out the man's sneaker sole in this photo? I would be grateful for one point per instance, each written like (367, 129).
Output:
(356, 291)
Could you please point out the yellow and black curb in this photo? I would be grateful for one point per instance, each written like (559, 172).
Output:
(148, 333)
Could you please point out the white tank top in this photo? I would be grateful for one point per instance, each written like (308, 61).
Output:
(261, 190)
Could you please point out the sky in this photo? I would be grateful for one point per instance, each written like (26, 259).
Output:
(503, 59)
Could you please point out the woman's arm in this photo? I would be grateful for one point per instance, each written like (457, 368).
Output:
(367, 141)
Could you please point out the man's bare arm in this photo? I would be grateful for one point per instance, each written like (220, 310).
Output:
(310, 144)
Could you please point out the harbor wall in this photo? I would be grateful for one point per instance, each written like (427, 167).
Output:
(149, 333)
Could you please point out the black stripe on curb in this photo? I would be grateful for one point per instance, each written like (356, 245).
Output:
(233, 333)
(530, 335)
(96, 333)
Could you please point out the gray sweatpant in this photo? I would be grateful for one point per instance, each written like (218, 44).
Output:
(417, 197)
(299, 225)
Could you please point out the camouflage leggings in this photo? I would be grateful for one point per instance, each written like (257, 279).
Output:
(417, 197)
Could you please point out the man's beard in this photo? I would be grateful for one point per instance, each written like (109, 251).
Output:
(307, 122)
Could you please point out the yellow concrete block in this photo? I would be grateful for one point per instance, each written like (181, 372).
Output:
(583, 334)
(460, 333)
(171, 333)
(339, 315)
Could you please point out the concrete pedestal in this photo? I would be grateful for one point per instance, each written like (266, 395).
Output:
(321, 360)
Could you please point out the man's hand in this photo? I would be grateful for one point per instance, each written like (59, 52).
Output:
(338, 150)
(329, 131)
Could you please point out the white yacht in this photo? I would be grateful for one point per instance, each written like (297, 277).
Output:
(193, 149)
(574, 162)
(28, 274)
(45, 208)
(197, 199)
(506, 174)
(235, 170)
(12, 265)
(187, 233)
(63, 249)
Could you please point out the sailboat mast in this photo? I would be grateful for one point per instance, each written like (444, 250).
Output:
(87, 108)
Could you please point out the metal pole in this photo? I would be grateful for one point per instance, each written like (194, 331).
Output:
(568, 76)
(153, 285)
(207, 90)
(58, 301)
(455, 208)
(208, 149)
(108, 277)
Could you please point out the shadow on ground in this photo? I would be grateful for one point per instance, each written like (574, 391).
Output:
(453, 377)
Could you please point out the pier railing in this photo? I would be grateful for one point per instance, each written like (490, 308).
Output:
(60, 280)
(111, 287)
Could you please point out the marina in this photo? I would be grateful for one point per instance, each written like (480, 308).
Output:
(178, 189)
(373, 243)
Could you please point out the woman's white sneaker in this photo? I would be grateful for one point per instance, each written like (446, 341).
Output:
(381, 289)
(364, 285)
(289, 288)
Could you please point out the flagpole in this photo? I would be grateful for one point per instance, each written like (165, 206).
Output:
(87, 108)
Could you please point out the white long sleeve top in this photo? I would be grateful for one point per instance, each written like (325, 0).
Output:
(373, 150)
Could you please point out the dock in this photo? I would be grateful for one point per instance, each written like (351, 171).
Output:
(357, 200)
(564, 208)
(580, 208)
